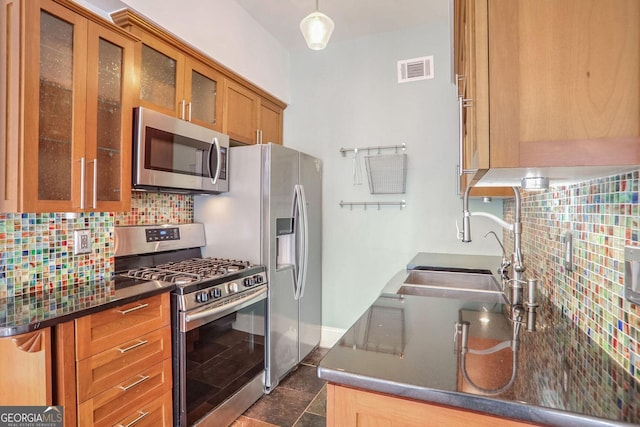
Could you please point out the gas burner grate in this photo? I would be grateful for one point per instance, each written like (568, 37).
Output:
(164, 275)
(206, 267)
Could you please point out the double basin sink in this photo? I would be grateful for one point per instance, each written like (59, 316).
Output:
(472, 285)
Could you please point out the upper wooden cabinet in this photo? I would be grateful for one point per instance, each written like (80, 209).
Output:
(175, 84)
(547, 83)
(249, 118)
(67, 96)
(179, 80)
(472, 99)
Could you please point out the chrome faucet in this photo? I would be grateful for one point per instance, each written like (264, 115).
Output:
(503, 270)
(517, 284)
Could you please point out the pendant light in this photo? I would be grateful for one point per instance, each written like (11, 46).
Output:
(316, 29)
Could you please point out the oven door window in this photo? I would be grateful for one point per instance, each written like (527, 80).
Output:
(167, 152)
(221, 357)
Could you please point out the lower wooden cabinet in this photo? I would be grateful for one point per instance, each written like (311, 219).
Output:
(157, 413)
(25, 369)
(108, 368)
(114, 367)
(347, 407)
(130, 396)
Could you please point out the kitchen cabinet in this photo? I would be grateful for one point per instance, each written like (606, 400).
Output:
(26, 367)
(67, 97)
(114, 366)
(178, 80)
(175, 84)
(547, 83)
(472, 100)
(248, 118)
(347, 407)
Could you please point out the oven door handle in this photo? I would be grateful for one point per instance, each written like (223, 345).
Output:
(223, 310)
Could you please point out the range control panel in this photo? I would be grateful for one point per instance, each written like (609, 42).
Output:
(162, 234)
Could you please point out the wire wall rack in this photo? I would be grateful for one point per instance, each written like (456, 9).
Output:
(402, 204)
(376, 149)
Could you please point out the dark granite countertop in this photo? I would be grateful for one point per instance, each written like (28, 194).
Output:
(404, 345)
(27, 312)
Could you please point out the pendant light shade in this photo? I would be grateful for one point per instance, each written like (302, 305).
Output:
(316, 29)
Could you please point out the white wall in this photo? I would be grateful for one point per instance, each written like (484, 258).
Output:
(348, 96)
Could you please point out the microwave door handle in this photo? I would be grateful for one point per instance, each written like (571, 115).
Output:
(216, 146)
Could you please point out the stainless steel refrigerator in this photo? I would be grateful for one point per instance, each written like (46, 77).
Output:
(272, 215)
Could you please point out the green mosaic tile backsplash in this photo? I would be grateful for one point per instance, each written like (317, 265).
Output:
(603, 217)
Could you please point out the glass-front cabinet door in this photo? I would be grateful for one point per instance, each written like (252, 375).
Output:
(55, 102)
(109, 107)
(177, 85)
(77, 112)
(161, 71)
(201, 95)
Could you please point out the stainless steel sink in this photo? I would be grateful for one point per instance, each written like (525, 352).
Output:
(448, 284)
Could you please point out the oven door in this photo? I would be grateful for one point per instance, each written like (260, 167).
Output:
(219, 359)
(174, 154)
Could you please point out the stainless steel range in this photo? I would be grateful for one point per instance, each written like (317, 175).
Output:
(218, 319)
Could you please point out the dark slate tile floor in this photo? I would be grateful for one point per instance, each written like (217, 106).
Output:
(300, 400)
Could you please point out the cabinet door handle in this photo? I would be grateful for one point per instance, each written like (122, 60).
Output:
(189, 119)
(182, 105)
(94, 203)
(462, 104)
(141, 416)
(140, 380)
(82, 184)
(132, 309)
(131, 347)
(460, 136)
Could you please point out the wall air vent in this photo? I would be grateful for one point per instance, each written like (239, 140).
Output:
(411, 70)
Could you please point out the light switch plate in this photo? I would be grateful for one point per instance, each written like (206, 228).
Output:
(81, 242)
(632, 273)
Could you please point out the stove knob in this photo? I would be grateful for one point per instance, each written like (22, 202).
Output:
(215, 293)
(249, 281)
(233, 287)
(257, 278)
(202, 297)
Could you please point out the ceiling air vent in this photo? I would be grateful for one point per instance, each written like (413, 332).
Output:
(411, 70)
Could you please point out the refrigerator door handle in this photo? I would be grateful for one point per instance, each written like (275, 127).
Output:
(300, 213)
(305, 240)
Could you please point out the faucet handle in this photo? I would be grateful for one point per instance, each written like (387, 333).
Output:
(459, 234)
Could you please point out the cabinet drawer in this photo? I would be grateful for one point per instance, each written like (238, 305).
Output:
(108, 368)
(127, 397)
(158, 413)
(106, 329)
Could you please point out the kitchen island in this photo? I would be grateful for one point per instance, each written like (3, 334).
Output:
(403, 348)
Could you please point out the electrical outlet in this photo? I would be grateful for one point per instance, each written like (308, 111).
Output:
(81, 242)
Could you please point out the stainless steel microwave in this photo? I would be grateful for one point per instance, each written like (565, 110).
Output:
(173, 155)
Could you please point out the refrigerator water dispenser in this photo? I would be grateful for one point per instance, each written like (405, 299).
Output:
(285, 243)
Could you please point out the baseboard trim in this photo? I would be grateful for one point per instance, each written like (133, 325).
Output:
(329, 336)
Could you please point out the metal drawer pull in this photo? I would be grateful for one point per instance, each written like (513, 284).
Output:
(142, 379)
(131, 347)
(141, 416)
(136, 308)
